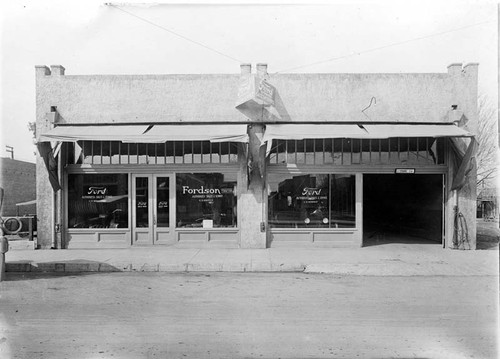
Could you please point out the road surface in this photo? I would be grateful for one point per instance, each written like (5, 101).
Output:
(247, 315)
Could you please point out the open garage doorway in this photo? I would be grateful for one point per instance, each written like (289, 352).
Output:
(402, 208)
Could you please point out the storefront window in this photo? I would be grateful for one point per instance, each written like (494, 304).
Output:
(206, 200)
(97, 201)
(312, 201)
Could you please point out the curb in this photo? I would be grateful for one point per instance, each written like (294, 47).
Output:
(72, 267)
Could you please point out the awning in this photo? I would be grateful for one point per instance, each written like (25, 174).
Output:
(148, 133)
(361, 131)
(93, 133)
(303, 131)
(415, 130)
(208, 132)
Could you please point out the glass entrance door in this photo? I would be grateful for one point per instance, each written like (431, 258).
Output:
(151, 216)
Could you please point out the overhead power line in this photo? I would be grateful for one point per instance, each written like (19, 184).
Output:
(173, 32)
(383, 47)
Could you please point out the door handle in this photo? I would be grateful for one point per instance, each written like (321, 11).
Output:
(154, 220)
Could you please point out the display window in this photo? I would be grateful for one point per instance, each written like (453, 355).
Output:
(312, 201)
(98, 201)
(206, 200)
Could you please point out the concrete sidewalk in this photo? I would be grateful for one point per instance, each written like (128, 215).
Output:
(396, 259)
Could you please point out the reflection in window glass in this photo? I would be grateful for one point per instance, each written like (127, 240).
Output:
(312, 201)
(97, 201)
(206, 200)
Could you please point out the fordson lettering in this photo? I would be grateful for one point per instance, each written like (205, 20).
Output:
(201, 190)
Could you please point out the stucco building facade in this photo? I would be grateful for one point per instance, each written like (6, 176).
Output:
(254, 160)
(17, 178)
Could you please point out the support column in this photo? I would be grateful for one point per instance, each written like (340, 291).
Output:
(252, 203)
(358, 234)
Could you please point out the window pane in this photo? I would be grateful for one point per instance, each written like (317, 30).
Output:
(281, 152)
(365, 151)
(188, 152)
(393, 148)
(343, 201)
(440, 150)
(299, 148)
(97, 201)
(206, 200)
(197, 147)
(142, 149)
(87, 151)
(206, 152)
(346, 150)
(356, 149)
(160, 153)
(179, 152)
(403, 150)
(141, 202)
(309, 150)
(311, 201)
(291, 147)
(115, 152)
(96, 152)
(233, 152)
(132, 152)
(106, 152)
(224, 152)
(125, 153)
(337, 151)
(215, 152)
(162, 201)
(328, 143)
(170, 154)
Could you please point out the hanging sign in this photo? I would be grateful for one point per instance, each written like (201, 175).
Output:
(255, 93)
(405, 171)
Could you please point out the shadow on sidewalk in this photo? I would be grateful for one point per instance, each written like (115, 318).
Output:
(15, 270)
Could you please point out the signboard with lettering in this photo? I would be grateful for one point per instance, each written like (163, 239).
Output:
(311, 195)
(254, 92)
(162, 204)
(95, 192)
(142, 204)
(205, 194)
(405, 171)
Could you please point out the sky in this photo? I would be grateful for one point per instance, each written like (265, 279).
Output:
(93, 37)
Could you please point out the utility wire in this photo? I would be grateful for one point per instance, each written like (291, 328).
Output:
(173, 32)
(383, 47)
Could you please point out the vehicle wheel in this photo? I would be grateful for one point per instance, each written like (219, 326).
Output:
(12, 225)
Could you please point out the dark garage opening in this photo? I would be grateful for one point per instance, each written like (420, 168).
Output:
(402, 208)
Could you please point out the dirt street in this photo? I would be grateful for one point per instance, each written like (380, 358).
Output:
(243, 315)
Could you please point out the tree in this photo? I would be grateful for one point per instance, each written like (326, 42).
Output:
(487, 154)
